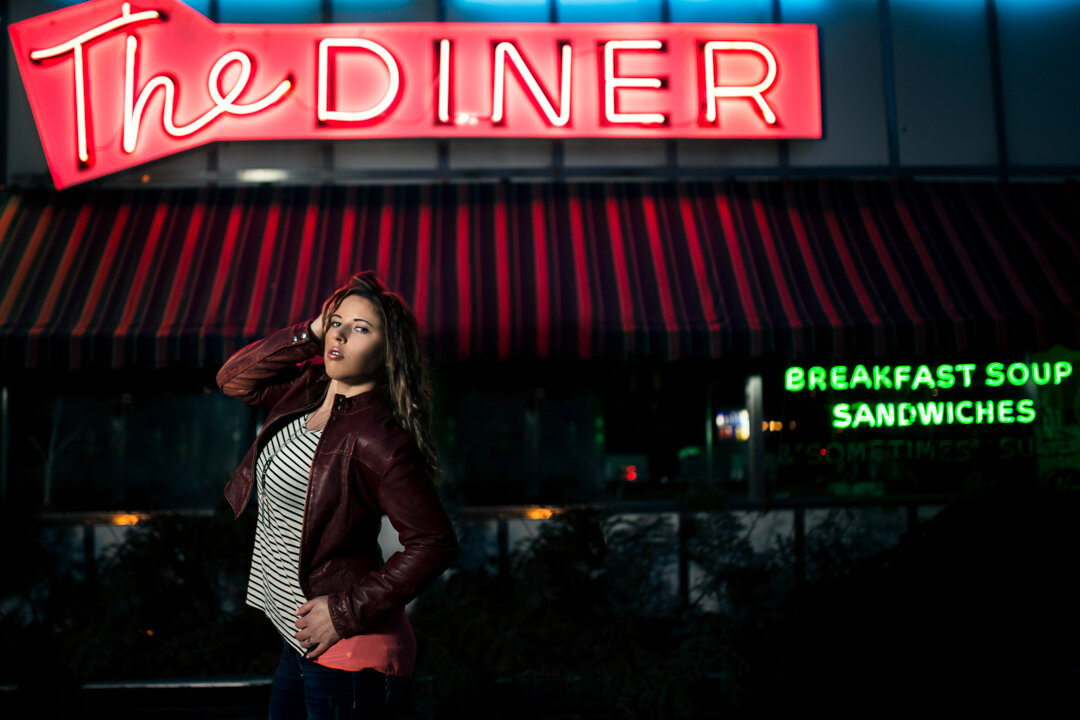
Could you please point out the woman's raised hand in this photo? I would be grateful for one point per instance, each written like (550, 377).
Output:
(317, 328)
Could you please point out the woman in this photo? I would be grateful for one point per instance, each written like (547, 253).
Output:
(345, 441)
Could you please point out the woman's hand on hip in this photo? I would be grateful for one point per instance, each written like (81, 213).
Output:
(314, 628)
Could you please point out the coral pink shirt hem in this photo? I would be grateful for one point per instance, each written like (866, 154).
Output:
(392, 650)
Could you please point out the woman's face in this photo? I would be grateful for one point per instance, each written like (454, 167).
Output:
(354, 345)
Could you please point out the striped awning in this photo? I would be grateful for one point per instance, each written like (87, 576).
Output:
(810, 268)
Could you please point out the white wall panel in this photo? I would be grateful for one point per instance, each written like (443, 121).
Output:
(269, 11)
(852, 89)
(715, 154)
(498, 10)
(731, 11)
(298, 156)
(384, 11)
(386, 155)
(609, 10)
(606, 152)
(944, 95)
(25, 155)
(1041, 78)
(177, 170)
(469, 154)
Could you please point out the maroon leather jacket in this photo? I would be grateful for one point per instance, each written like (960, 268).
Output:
(365, 465)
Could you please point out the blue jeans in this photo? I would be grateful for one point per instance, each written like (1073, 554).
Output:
(304, 689)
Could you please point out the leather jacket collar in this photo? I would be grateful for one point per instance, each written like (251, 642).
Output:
(343, 405)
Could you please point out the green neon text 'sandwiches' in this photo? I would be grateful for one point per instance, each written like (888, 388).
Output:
(964, 412)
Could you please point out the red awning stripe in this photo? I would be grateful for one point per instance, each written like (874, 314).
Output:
(1002, 260)
(1043, 260)
(922, 256)
(855, 298)
(891, 270)
(699, 293)
(461, 277)
(807, 261)
(494, 272)
(961, 258)
(736, 286)
(56, 288)
(30, 260)
(777, 269)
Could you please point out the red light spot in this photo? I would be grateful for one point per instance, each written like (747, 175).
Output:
(822, 452)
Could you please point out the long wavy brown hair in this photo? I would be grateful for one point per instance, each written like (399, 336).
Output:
(406, 380)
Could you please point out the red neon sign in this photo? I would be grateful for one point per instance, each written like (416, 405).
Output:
(115, 84)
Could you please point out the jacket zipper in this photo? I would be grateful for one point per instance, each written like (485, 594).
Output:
(307, 498)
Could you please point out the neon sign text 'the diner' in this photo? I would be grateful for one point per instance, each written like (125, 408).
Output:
(115, 84)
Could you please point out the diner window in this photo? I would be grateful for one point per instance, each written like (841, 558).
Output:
(594, 431)
(937, 438)
(517, 435)
(105, 441)
(1056, 440)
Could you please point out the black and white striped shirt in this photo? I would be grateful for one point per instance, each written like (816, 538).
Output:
(282, 472)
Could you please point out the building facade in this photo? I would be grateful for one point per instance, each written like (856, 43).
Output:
(610, 318)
